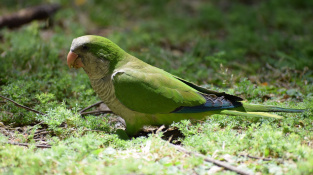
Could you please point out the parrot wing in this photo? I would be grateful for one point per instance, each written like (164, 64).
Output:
(156, 91)
(208, 91)
(153, 91)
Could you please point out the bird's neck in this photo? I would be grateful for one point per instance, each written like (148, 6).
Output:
(104, 88)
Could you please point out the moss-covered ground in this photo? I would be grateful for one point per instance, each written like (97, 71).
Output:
(259, 50)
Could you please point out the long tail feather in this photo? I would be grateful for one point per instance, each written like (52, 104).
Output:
(251, 114)
(264, 108)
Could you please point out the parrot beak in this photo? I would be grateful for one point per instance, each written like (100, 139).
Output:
(74, 61)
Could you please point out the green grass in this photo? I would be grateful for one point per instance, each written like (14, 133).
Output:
(259, 50)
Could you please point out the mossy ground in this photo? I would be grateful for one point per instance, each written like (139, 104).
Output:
(259, 50)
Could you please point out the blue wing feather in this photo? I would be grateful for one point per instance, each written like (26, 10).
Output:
(212, 103)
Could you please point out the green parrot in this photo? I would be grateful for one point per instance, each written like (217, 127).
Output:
(145, 95)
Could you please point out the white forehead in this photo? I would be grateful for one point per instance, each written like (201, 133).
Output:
(79, 41)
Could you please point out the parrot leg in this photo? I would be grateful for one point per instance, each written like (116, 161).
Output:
(134, 124)
(122, 134)
(132, 129)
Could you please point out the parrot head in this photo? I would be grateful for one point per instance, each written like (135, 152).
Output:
(96, 55)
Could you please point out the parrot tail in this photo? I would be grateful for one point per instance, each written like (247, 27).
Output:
(251, 114)
(264, 108)
(255, 110)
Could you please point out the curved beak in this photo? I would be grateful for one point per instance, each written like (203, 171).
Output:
(74, 61)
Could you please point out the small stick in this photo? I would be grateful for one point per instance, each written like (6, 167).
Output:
(216, 162)
(43, 132)
(98, 112)
(25, 107)
(170, 139)
(160, 129)
(93, 130)
(40, 122)
(27, 145)
(255, 157)
(90, 107)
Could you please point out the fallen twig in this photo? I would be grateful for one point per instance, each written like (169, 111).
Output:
(27, 15)
(93, 130)
(97, 112)
(27, 145)
(40, 122)
(216, 162)
(160, 129)
(41, 131)
(255, 157)
(90, 107)
(25, 107)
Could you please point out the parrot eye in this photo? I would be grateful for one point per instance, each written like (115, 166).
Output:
(85, 47)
